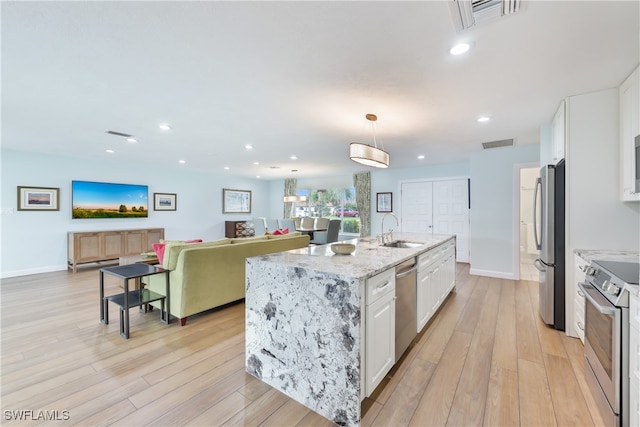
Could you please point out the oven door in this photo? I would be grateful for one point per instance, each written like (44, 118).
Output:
(602, 343)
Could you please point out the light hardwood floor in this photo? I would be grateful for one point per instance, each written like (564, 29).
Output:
(485, 359)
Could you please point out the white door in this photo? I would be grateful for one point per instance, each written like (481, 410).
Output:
(451, 213)
(416, 204)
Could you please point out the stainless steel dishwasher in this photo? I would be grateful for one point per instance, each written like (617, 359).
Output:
(406, 308)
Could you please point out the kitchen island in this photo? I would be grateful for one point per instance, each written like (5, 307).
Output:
(315, 326)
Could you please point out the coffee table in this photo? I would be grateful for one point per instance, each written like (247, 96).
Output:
(133, 298)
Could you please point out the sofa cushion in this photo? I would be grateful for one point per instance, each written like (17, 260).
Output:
(172, 251)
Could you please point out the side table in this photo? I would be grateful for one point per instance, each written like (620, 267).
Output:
(133, 298)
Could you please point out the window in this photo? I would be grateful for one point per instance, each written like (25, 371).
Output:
(332, 203)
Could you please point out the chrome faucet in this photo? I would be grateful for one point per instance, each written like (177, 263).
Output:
(390, 234)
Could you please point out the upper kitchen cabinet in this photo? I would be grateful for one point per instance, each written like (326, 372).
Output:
(629, 129)
(558, 134)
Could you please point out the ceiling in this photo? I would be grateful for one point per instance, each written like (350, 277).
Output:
(296, 78)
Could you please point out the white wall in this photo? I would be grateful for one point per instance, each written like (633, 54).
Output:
(36, 242)
(493, 201)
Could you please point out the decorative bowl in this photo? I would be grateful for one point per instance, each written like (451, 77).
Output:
(343, 248)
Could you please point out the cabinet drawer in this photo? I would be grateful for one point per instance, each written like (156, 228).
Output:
(381, 284)
(428, 258)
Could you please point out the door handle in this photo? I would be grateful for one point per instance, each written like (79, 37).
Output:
(535, 209)
(538, 265)
(607, 310)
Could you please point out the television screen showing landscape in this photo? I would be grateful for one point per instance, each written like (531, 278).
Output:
(107, 200)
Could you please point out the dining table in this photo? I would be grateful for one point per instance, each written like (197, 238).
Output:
(310, 230)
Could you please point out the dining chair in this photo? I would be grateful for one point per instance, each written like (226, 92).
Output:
(307, 222)
(272, 225)
(259, 226)
(287, 223)
(322, 223)
(329, 236)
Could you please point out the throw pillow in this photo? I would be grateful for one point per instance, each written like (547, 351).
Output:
(281, 231)
(159, 248)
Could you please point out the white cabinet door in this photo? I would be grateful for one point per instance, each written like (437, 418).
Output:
(629, 129)
(380, 340)
(578, 299)
(558, 134)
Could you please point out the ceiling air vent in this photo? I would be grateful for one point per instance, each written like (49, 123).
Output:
(112, 132)
(467, 13)
(499, 143)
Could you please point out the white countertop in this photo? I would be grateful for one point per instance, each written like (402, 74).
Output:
(607, 255)
(368, 259)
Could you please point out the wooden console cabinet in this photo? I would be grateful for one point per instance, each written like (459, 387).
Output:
(235, 229)
(94, 246)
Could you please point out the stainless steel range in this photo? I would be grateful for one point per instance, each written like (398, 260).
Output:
(606, 345)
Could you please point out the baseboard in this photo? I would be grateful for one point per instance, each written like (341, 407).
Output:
(17, 273)
(489, 273)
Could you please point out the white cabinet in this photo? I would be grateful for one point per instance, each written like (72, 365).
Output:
(578, 300)
(634, 361)
(380, 329)
(629, 129)
(558, 134)
(436, 278)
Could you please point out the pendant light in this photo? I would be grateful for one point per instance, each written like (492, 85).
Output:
(369, 155)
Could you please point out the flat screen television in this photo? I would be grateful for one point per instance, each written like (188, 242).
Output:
(108, 200)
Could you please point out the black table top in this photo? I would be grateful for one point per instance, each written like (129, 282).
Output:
(131, 271)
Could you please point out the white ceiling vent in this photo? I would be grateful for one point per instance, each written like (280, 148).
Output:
(467, 13)
(499, 143)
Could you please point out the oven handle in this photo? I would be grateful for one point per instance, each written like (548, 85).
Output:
(602, 308)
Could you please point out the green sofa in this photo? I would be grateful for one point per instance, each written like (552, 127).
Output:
(210, 274)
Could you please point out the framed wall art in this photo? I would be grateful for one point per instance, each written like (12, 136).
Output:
(236, 201)
(384, 202)
(38, 199)
(164, 201)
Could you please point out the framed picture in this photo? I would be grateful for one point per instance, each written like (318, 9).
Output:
(164, 202)
(38, 199)
(236, 201)
(384, 202)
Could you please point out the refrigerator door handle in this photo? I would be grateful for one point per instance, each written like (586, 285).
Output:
(535, 210)
(539, 265)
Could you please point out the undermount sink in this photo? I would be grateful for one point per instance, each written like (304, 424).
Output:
(402, 244)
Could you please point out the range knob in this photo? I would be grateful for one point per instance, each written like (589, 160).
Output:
(590, 271)
(610, 288)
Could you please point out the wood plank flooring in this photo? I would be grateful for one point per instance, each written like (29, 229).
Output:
(485, 359)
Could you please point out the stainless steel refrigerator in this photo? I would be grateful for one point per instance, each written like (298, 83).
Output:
(549, 231)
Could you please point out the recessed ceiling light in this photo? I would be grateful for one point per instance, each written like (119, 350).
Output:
(483, 119)
(294, 158)
(110, 151)
(257, 176)
(182, 162)
(132, 140)
(421, 156)
(256, 163)
(459, 49)
(226, 168)
(165, 126)
(248, 147)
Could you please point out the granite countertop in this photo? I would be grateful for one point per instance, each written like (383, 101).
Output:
(607, 255)
(367, 260)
